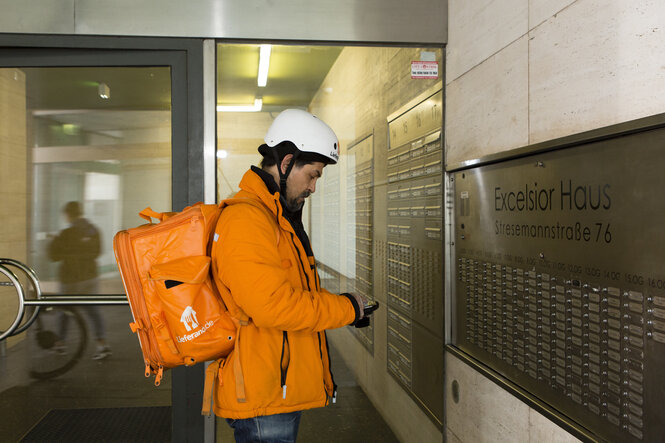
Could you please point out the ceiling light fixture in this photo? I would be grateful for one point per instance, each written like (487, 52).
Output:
(264, 64)
(104, 91)
(256, 107)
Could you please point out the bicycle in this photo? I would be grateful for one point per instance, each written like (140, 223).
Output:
(52, 353)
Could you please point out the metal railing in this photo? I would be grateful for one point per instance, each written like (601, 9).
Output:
(42, 300)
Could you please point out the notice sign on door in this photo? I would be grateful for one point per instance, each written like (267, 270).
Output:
(422, 69)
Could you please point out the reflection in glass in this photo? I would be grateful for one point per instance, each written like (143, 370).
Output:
(111, 155)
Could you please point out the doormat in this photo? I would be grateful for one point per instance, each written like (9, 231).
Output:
(136, 424)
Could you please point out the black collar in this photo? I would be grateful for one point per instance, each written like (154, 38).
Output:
(294, 218)
(273, 188)
(267, 179)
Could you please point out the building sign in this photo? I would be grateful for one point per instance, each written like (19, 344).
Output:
(560, 280)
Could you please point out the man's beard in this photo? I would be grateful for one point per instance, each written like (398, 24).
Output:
(293, 205)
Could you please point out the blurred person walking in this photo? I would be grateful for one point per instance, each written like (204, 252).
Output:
(77, 248)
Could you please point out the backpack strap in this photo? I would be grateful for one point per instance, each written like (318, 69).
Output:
(212, 376)
(148, 214)
(162, 332)
(240, 377)
(210, 381)
(257, 204)
(238, 313)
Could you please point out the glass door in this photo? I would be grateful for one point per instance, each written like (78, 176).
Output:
(86, 142)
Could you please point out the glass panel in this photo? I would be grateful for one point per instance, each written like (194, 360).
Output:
(82, 151)
(372, 233)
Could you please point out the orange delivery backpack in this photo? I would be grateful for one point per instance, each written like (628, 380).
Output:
(179, 316)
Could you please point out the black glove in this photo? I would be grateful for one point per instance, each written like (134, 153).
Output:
(368, 309)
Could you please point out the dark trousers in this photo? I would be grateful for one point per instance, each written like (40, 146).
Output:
(278, 428)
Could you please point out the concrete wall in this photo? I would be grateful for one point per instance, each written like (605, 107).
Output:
(525, 71)
(339, 20)
(361, 90)
(13, 182)
(488, 413)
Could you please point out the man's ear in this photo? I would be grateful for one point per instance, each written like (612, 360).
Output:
(286, 161)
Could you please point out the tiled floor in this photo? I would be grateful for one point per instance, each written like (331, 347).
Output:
(118, 381)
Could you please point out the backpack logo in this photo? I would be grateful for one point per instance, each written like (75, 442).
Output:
(188, 318)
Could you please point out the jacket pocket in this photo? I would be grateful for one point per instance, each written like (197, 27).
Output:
(194, 313)
(285, 360)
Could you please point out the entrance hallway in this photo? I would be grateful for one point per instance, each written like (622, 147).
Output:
(523, 89)
(34, 410)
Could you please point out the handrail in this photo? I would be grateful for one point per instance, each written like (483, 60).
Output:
(42, 300)
(68, 300)
(32, 276)
(21, 297)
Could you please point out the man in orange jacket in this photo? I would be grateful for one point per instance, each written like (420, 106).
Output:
(266, 273)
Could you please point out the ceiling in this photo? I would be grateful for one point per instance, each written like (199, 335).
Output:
(295, 74)
(132, 88)
(140, 97)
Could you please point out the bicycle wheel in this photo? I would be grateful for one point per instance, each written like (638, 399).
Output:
(57, 340)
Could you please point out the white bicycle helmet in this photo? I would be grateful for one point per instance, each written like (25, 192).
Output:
(306, 132)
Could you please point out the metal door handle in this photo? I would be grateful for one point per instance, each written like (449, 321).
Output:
(42, 300)
(21, 297)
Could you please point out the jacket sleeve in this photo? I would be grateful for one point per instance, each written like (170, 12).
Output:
(260, 280)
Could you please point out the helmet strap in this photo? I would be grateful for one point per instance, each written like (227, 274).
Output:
(284, 176)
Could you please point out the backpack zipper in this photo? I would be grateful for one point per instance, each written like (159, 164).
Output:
(132, 286)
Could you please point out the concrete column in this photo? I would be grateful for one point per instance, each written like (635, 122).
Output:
(13, 181)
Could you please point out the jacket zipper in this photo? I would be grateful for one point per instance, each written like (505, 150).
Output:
(302, 265)
(285, 339)
(280, 214)
(316, 277)
(332, 378)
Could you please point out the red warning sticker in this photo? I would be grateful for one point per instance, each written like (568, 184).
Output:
(421, 69)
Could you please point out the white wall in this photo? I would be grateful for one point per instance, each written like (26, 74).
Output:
(526, 71)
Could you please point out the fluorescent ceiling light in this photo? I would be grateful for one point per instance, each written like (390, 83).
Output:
(71, 128)
(264, 64)
(256, 107)
(104, 91)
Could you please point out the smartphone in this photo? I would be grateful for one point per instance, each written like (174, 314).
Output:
(371, 307)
